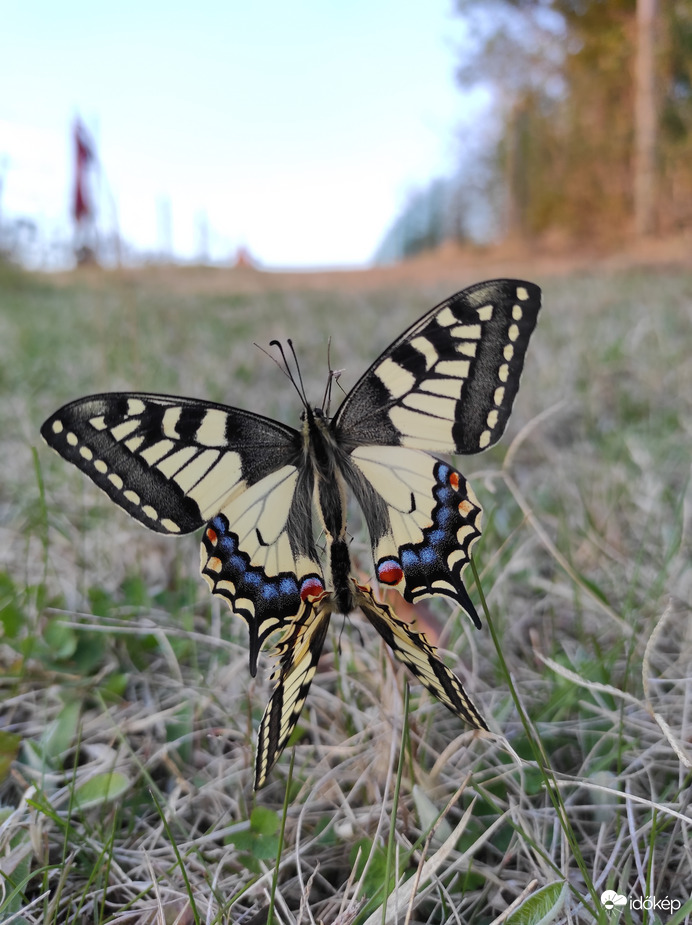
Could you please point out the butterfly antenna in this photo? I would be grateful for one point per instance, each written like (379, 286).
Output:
(275, 343)
(300, 377)
(327, 397)
(285, 368)
(334, 375)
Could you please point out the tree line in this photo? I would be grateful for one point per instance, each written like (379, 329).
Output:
(588, 134)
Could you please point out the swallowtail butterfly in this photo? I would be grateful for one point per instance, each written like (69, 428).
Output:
(446, 385)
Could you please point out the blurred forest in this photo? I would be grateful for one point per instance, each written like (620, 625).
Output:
(591, 136)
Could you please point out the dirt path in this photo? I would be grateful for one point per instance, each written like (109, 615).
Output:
(450, 263)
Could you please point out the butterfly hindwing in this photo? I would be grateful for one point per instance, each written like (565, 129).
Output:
(258, 553)
(414, 651)
(299, 652)
(448, 383)
(423, 519)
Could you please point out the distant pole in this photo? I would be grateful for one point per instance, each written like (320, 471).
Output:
(83, 210)
(645, 123)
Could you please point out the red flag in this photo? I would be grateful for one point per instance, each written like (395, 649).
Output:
(84, 156)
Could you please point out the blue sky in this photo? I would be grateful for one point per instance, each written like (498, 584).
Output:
(297, 128)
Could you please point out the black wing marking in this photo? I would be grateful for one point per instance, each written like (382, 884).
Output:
(448, 383)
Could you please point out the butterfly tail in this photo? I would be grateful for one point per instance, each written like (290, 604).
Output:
(299, 651)
(414, 651)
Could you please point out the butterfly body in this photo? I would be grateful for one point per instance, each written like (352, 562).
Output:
(446, 385)
(328, 461)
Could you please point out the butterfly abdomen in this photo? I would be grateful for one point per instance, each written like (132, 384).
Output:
(340, 566)
(330, 498)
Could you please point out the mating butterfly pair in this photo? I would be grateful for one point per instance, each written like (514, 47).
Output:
(446, 385)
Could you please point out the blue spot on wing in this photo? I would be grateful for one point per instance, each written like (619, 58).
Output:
(426, 564)
(408, 558)
(274, 599)
(428, 555)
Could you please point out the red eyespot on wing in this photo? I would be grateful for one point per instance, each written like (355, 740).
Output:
(311, 588)
(390, 572)
(454, 480)
(211, 536)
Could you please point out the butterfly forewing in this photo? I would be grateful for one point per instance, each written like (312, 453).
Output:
(448, 383)
(175, 463)
(171, 463)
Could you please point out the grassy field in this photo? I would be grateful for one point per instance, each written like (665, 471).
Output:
(127, 711)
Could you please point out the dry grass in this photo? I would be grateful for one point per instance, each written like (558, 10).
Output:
(128, 712)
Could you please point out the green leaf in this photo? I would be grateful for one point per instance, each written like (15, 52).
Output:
(61, 733)
(265, 847)
(9, 747)
(264, 821)
(61, 640)
(114, 686)
(260, 841)
(542, 907)
(682, 913)
(11, 615)
(89, 653)
(32, 755)
(101, 788)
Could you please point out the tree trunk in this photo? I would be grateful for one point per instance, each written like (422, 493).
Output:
(645, 126)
